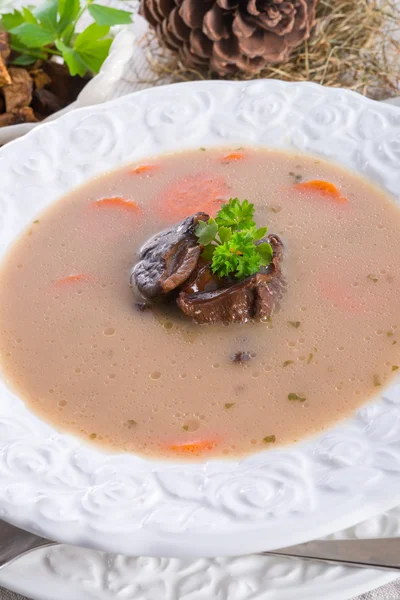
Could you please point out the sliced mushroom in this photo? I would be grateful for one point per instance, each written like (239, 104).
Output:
(168, 259)
(207, 299)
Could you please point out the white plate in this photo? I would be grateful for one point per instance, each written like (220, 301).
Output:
(53, 483)
(66, 573)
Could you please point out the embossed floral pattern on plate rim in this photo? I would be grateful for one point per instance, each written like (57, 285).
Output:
(53, 483)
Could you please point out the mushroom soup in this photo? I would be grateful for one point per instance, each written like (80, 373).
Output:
(215, 338)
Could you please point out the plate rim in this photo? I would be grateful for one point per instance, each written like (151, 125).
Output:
(150, 536)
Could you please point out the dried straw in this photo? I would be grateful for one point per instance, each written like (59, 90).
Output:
(353, 45)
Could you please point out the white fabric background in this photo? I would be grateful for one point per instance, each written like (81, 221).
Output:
(140, 71)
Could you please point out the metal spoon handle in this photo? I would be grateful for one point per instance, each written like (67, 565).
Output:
(383, 553)
(14, 542)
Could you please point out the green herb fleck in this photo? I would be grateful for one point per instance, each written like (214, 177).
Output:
(185, 427)
(293, 396)
(35, 222)
(390, 333)
(310, 357)
(372, 278)
(394, 342)
(274, 209)
(296, 176)
(229, 404)
(269, 439)
(377, 381)
(131, 423)
(295, 324)
(395, 367)
(287, 363)
(203, 149)
(230, 239)
(93, 436)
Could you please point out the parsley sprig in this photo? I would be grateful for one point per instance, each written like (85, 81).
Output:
(230, 239)
(50, 30)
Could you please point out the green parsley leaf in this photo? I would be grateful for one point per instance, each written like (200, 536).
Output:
(29, 17)
(225, 234)
(46, 14)
(208, 252)
(230, 241)
(185, 427)
(12, 20)
(105, 15)
(236, 215)
(287, 363)
(238, 255)
(265, 251)
(206, 232)
(269, 439)
(229, 404)
(295, 324)
(33, 35)
(293, 396)
(68, 11)
(395, 367)
(72, 59)
(377, 381)
(22, 49)
(24, 60)
(260, 233)
(93, 47)
(310, 357)
(372, 278)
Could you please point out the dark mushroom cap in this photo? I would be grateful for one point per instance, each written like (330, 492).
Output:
(207, 299)
(168, 259)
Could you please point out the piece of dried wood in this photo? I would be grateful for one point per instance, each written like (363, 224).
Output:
(45, 102)
(18, 116)
(5, 78)
(19, 93)
(5, 49)
(40, 78)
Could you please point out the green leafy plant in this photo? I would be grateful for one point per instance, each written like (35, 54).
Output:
(230, 241)
(50, 30)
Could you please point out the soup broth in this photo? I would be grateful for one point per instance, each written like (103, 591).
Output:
(80, 352)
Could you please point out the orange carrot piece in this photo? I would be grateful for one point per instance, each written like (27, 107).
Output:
(205, 192)
(193, 447)
(323, 188)
(120, 203)
(341, 295)
(144, 169)
(79, 277)
(233, 157)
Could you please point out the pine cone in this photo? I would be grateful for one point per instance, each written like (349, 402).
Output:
(230, 36)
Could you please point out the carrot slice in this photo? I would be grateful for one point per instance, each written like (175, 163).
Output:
(79, 277)
(120, 203)
(144, 169)
(341, 296)
(322, 188)
(193, 447)
(233, 157)
(193, 193)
